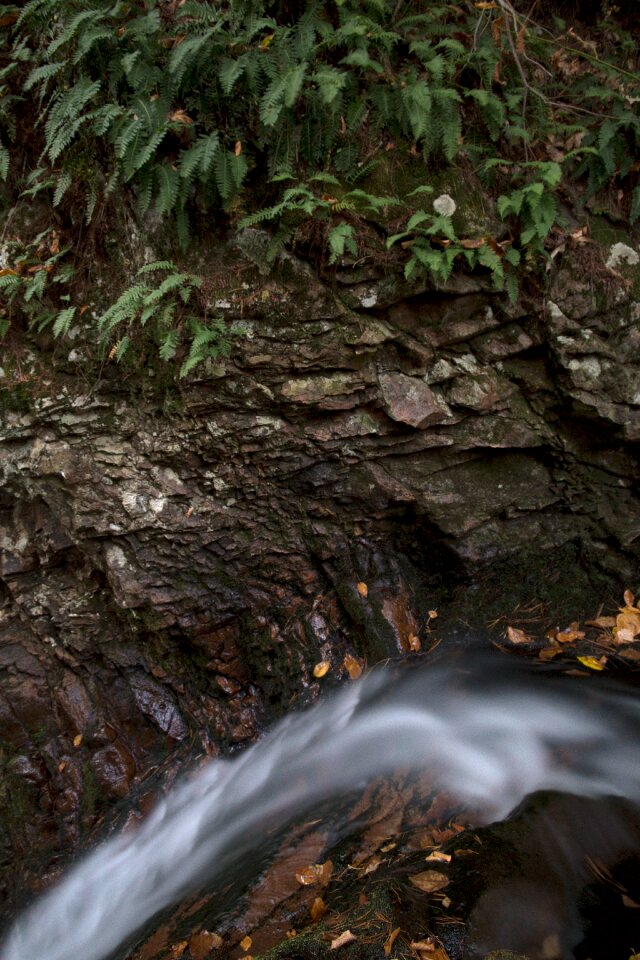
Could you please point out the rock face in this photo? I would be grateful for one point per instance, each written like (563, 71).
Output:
(171, 570)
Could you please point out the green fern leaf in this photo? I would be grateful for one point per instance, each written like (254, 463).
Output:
(169, 345)
(331, 82)
(67, 34)
(4, 162)
(199, 158)
(168, 181)
(229, 73)
(184, 56)
(223, 174)
(64, 182)
(41, 74)
(63, 322)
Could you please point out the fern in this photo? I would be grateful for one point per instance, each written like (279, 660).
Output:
(64, 182)
(4, 162)
(63, 321)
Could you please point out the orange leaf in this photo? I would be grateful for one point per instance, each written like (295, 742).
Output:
(389, 942)
(201, 944)
(362, 589)
(429, 880)
(549, 653)
(246, 942)
(8, 272)
(569, 635)
(318, 909)
(292, 934)
(315, 873)
(77, 740)
(352, 666)
(178, 949)
(238, 148)
(629, 598)
(321, 668)
(517, 636)
(440, 856)
(344, 938)
(414, 642)
(472, 244)
(433, 614)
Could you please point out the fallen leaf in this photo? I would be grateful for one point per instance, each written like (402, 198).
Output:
(315, 873)
(432, 614)
(428, 945)
(414, 642)
(549, 653)
(629, 598)
(627, 626)
(362, 589)
(238, 148)
(440, 856)
(570, 634)
(321, 668)
(343, 939)
(292, 934)
(178, 949)
(8, 272)
(201, 944)
(429, 880)
(628, 902)
(77, 740)
(593, 663)
(352, 666)
(389, 942)
(603, 623)
(474, 244)
(371, 866)
(517, 636)
(179, 116)
(61, 766)
(318, 909)
(246, 942)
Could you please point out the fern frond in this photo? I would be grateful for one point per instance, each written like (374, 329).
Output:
(156, 265)
(64, 182)
(68, 33)
(5, 158)
(41, 74)
(63, 322)
(199, 158)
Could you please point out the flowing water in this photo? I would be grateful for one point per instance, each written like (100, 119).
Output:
(485, 735)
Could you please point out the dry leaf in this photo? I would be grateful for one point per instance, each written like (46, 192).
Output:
(321, 668)
(179, 116)
(77, 740)
(8, 272)
(318, 909)
(61, 766)
(474, 244)
(414, 643)
(627, 625)
(570, 633)
(238, 148)
(292, 934)
(362, 589)
(246, 942)
(201, 944)
(629, 598)
(315, 873)
(549, 653)
(344, 938)
(440, 856)
(433, 614)
(389, 942)
(517, 636)
(593, 663)
(371, 866)
(429, 880)
(178, 949)
(603, 623)
(352, 666)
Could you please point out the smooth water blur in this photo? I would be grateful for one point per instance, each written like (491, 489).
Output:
(486, 735)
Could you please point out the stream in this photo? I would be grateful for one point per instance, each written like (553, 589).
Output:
(487, 733)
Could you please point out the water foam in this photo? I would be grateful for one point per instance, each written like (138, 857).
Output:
(487, 737)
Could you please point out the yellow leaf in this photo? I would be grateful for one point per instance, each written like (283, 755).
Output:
(77, 740)
(266, 42)
(429, 880)
(389, 942)
(352, 666)
(593, 663)
(344, 938)
(246, 942)
(321, 668)
(8, 272)
(440, 856)
(363, 589)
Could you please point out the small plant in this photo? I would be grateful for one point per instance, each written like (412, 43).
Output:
(434, 247)
(36, 284)
(167, 311)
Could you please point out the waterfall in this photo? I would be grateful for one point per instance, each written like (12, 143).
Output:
(485, 734)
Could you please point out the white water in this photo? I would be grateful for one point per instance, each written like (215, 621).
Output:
(489, 740)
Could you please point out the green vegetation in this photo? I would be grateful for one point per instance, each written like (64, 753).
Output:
(239, 112)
